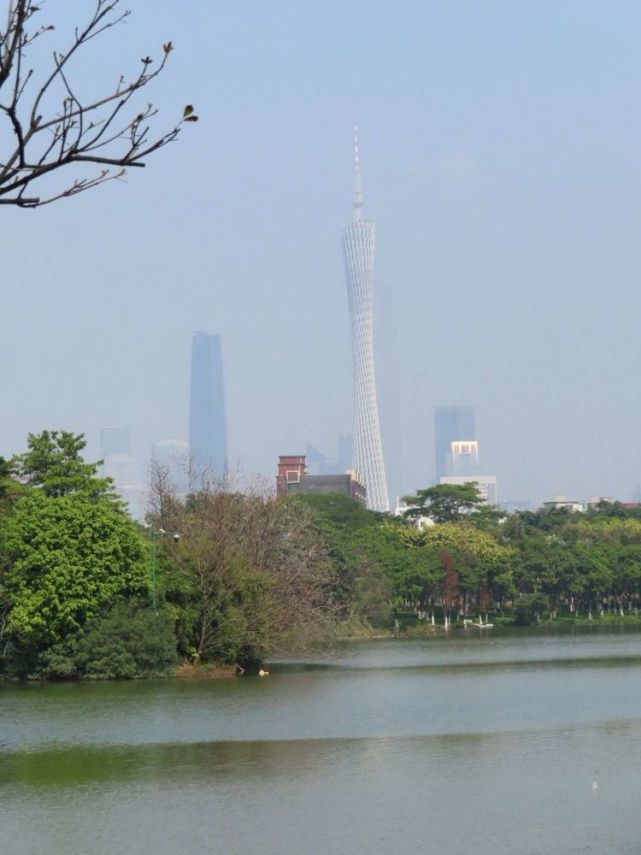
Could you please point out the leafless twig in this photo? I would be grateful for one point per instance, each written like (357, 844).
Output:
(53, 128)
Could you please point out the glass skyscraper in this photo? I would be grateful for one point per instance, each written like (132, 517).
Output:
(207, 416)
(358, 253)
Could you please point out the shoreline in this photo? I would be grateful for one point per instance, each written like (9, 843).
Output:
(218, 671)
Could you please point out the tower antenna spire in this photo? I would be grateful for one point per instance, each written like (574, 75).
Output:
(358, 191)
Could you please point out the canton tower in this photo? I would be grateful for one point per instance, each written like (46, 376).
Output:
(358, 252)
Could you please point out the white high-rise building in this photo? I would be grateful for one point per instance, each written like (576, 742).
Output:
(358, 252)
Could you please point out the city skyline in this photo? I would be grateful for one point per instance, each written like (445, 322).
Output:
(358, 253)
(506, 203)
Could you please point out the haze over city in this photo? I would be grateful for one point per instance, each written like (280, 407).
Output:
(500, 163)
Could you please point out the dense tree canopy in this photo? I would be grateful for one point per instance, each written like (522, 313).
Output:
(66, 559)
(251, 574)
(248, 572)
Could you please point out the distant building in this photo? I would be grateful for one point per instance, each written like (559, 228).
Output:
(401, 508)
(319, 464)
(464, 457)
(207, 415)
(119, 465)
(121, 468)
(451, 424)
(594, 502)
(559, 502)
(292, 478)
(486, 485)
(457, 451)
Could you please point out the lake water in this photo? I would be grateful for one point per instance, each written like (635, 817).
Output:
(503, 742)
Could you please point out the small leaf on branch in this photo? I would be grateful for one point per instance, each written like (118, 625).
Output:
(168, 47)
(191, 118)
(188, 111)
(146, 60)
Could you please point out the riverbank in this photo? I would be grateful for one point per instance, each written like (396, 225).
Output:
(190, 671)
(356, 631)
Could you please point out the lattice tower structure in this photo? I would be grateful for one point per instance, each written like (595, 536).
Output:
(358, 253)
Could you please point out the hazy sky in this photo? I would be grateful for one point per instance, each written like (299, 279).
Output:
(501, 155)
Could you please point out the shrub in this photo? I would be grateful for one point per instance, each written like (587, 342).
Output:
(126, 643)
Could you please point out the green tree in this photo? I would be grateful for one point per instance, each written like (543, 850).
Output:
(5, 477)
(64, 561)
(353, 541)
(10, 489)
(417, 583)
(247, 573)
(482, 564)
(54, 463)
(528, 608)
(126, 642)
(444, 502)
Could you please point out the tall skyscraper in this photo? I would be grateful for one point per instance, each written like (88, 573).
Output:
(358, 253)
(207, 417)
(451, 424)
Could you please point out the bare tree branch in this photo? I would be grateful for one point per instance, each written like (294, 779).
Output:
(54, 128)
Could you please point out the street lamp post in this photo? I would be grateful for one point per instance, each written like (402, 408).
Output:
(154, 535)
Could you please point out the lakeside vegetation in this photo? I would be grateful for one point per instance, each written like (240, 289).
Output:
(251, 575)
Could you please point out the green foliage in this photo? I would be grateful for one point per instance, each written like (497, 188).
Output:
(251, 575)
(5, 477)
(54, 463)
(481, 562)
(64, 560)
(444, 502)
(10, 488)
(372, 597)
(126, 643)
(368, 552)
(529, 608)
(339, 512)
(248, 572)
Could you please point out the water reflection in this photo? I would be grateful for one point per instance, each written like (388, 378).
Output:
(218, 762)
(396, 747)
